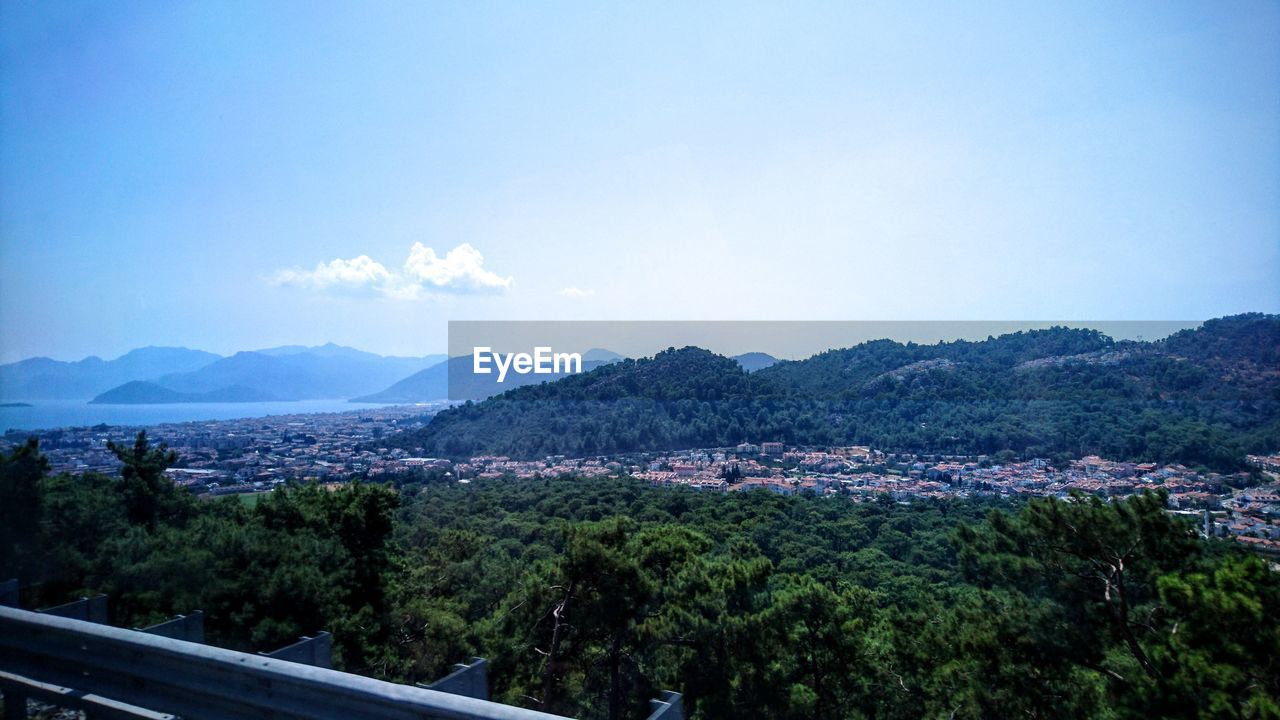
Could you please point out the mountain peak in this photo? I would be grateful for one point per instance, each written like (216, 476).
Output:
(601, 355)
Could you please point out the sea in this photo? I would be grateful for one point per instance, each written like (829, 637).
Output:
(50, 414)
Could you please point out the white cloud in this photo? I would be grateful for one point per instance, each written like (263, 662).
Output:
(577, 293)
(357, 274)
(461, 270)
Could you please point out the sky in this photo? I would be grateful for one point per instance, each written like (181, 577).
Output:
(237, 175)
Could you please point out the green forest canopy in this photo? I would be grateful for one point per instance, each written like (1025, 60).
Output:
(589, 596)
(1202, 397)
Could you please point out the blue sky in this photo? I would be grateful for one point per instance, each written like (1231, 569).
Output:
(176, 173)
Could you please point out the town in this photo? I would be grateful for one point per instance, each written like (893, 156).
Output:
(256, 455)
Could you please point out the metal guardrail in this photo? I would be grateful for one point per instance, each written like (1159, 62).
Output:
(670, 707)
(469, 679)
(17, 689)
(90, 609)
(116, 672)
(188, 627)
(317, 651)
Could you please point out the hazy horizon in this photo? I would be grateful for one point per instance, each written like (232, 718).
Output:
(782, 339)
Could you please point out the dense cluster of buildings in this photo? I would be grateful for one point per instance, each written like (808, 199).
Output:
(1250, 515)
(250, 454)
(862, 473)
(1253, 514)
(259, 454)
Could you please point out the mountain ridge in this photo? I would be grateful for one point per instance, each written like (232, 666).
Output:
(291, 372)
(1203, 396)
(753, 361)
(142, 392)
(433, 383)
(297, 376)
(43, 378)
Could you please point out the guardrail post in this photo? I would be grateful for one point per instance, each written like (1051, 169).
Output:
(668, 707)
(467, 679)
(9, 593)
(316, 651)
(180, 627)
(91, 609)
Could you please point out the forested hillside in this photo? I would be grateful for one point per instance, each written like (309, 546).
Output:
(588, 596)
(1201, 397)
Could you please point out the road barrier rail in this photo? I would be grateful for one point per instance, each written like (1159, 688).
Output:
(114, 672)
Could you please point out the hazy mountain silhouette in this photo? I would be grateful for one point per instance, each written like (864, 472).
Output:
(141, 392)
(754, 361)
(433, 383)
(42, 378)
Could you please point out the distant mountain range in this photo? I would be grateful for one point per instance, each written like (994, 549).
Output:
(1201, 397)
(328, 371)
(434, 382)
(155, 375)
(141, 392)
(171, 375)
(44, 379)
